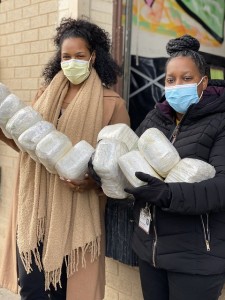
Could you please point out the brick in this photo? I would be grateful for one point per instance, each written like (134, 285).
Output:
(48, 7)
(30, 35)
(39, 46)
(39, 21)
(46, 33)
(7, 73)
(22, 72)
(137, 291)
(30, 11)
(30, 83)
(44, 58)
(24, 95)
(35, 71)
(121, 285)
(112, 266)
(14, 38)
(100, 17)
(52, 18)
(3, 18)
(37, 1)
(13, 15)
(23, 48)
(111, 294)
(22, 3)
(23, 24)
(30, 59)
(13, 84)
(128, 273)
(15, 61)
(7, 6)
(102, 6)
(7, 51)
(7, 28)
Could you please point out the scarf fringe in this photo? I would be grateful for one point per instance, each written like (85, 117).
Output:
(26, 258)
(41, 230)
(73, 259)
(54, 278)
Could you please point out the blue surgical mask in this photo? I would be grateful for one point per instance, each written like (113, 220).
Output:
(180, 97)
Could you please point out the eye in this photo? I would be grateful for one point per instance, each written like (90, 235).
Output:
(187, 78)
(169, 80)
(66, 57)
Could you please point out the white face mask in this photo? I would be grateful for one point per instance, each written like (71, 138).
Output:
(76, 70)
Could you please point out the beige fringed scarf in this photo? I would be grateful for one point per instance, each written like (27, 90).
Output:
(67, 223)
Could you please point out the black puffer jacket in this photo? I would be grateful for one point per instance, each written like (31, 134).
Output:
(189, 236)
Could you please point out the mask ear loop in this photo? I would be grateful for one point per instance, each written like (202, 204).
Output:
(200, 81)
(202, 90)
(90, 66)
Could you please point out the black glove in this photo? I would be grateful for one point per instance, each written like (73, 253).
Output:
(92, 172)
(156, 192)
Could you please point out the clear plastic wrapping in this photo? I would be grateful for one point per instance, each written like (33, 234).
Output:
(105, 164)
(190, 170)
(52, 148)
(33, 135)
(4, 92)
(74, 164)
(120, 132)
(132, 162)
(158, 151)
(8, 107)
(21, 121)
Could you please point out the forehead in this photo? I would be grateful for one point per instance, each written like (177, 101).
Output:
(74, 44)
(182, 65)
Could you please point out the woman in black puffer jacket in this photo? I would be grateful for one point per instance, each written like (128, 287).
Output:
(182, 252)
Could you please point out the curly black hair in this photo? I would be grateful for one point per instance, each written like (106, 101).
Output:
(97, 40)
(188, 46)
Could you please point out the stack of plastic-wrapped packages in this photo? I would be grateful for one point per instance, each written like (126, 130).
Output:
(118, 155)
(114, 141)
(41, 140)
(152, 153)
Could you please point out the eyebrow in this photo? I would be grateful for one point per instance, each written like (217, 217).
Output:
(77, 53)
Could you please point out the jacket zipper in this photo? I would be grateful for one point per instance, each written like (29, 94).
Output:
(206, 231)
(154, 245)
(174, 134)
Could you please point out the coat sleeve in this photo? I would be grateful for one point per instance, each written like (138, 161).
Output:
(205, 196)
(120, 114)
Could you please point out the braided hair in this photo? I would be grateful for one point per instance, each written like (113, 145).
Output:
(97, 40)
(187, 46)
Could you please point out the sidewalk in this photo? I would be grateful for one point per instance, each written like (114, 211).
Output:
(6, 295)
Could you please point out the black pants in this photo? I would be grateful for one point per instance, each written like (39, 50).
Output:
(32, 286)
(158, 284)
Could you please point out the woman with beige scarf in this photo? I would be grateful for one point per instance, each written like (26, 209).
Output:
(59, 223)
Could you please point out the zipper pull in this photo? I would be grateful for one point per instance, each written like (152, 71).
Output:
(175, 133)
(207, 245)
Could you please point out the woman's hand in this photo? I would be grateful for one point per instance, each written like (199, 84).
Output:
(81, 186)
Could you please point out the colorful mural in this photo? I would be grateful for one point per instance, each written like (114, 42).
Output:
(209, 13)
(167, 17)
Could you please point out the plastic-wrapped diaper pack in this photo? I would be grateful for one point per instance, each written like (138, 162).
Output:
(132, 162)
(4, 92)
(74, 164)
(105, 164)
(21, 121)
(52, 148)
(119, 132)
(158, 151)
(33, 135)
(8, 107)
(190, 170)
